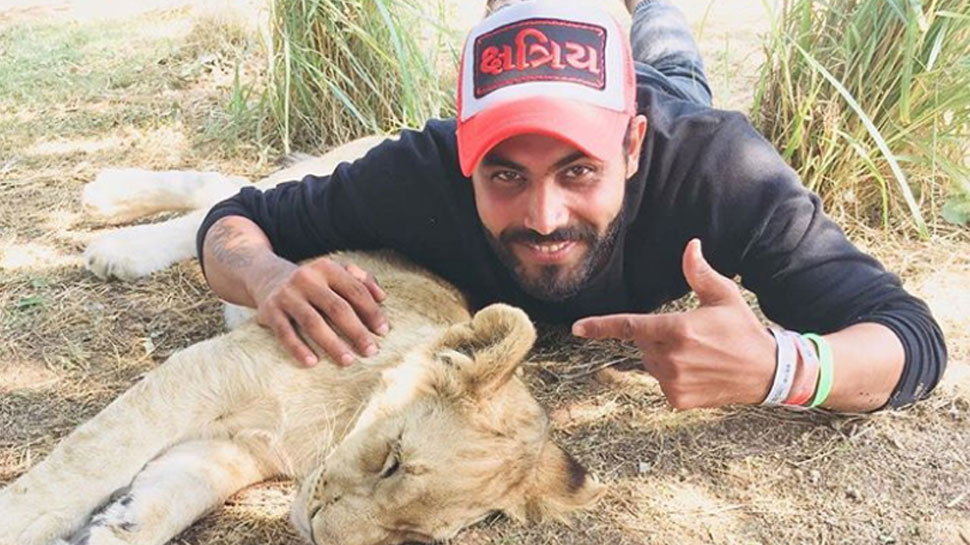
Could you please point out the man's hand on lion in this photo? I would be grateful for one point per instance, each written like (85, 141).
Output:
(322, 298)
(717, 354)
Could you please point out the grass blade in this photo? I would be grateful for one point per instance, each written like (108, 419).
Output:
(914, 210)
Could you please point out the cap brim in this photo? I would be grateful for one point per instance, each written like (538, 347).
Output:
(596, 131)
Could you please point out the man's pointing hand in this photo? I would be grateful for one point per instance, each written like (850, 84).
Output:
(716, 354)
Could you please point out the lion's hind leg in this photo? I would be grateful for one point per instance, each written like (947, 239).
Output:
(122, 195)
(173, 491)
(130, 253)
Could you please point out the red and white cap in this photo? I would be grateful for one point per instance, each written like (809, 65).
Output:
(545, 67)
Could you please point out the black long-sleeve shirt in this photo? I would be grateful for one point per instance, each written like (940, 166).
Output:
(703, 173)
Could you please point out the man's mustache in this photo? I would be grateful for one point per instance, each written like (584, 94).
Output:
(575, 233)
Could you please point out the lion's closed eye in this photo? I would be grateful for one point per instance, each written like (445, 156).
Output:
(393, 462)
(381, 455)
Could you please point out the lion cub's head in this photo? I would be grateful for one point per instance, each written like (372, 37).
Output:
(454, 436)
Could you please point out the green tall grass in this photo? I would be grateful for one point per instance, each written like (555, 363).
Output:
(340, 69)
(869, 100)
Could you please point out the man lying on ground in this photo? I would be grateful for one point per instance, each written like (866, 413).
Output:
(580, 181)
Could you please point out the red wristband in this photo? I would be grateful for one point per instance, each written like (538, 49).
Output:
(806, 378)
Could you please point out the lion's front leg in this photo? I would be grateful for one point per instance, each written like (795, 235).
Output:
(174, 491)
(58, 494)
(193, 389)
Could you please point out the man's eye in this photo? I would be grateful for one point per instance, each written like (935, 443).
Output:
(507, 176)
(578, 171)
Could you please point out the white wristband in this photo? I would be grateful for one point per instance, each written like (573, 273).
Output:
(786, 360)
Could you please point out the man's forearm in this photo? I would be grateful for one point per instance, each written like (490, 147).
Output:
(868, 360)
(238, 258)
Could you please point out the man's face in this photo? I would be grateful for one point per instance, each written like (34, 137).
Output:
(552, 213)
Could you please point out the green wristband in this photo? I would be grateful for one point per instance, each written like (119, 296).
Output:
(826, 369)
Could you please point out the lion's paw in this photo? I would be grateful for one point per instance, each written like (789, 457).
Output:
(22, 525)
(132, 253)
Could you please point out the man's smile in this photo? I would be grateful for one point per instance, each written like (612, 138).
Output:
(547, 253)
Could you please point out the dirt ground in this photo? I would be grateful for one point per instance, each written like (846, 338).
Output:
(86, 85)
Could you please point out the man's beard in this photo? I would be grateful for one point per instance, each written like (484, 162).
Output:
(557, 282)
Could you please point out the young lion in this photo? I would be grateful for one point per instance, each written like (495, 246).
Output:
(425, 438)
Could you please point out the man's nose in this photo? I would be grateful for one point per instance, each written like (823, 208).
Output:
(547, 209)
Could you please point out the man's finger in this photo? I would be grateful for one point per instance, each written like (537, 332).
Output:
(314, 326)
(638, 328)
(711, 287)
(343, 319)
(361, 299)
(292, 342)
(369, 281)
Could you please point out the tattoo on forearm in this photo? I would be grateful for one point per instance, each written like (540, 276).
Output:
(228, 246)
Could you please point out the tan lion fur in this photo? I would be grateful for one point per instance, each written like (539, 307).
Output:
(440, 399)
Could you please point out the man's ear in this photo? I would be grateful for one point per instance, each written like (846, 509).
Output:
(560, 486)
(488, 349)
(636, 132)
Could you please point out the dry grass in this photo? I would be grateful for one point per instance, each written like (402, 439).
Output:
(140, 91)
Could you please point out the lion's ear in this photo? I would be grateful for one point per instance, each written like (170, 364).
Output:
(488, 349)
(560, 486)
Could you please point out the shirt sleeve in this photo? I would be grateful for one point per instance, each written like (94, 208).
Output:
(393, 197)
(805, 272)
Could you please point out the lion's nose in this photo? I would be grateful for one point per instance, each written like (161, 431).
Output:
(332, 498)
